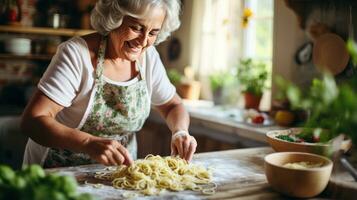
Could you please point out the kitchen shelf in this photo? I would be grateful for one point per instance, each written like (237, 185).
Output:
(26, 57)
(14, 77)
(44, 30)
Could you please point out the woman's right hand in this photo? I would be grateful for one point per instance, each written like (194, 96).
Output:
(107, 152)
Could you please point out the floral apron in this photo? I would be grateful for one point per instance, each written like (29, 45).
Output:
(114, 112)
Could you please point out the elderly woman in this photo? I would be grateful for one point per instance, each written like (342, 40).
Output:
(97, 91)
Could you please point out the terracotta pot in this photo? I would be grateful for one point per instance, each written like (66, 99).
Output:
(190, 90)
(252, 101)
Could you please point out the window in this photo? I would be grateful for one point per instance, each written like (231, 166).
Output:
(220, 41)
(258, 36)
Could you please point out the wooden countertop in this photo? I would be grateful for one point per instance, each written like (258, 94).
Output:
(238, 174)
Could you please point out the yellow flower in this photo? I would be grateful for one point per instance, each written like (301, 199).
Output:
(247, 13)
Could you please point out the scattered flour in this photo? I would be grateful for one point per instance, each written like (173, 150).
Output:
(224, 170)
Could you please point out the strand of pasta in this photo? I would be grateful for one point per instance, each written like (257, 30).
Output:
(154, 174)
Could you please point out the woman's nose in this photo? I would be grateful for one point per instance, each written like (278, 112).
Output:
(143, 39)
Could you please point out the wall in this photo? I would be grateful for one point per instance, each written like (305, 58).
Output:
(183, 34)
(287, 37)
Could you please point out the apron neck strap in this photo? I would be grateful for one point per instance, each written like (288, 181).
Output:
(101, 54)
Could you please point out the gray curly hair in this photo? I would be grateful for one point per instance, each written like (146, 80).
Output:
(108, 15)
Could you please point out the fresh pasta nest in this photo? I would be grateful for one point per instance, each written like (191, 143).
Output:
(154, 174)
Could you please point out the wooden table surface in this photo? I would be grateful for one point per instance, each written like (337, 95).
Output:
(239, 174)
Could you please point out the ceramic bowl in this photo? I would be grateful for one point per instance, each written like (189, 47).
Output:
(18, 46)
(300, 183)
(280, 145)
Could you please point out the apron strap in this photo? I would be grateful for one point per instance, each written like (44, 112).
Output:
(139, 66)
(100, 61)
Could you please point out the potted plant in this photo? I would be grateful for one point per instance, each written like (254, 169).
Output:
(252, 77)
(174, 76)
(217, 82)
(186, 86)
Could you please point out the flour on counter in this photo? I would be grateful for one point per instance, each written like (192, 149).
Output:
(109, 193)
(226, 170)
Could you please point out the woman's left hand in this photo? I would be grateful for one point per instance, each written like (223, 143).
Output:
(183, 144)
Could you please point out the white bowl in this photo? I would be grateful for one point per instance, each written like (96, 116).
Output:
(18, 46)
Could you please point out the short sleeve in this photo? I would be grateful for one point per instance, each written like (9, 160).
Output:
(162, 89)
(61, 80)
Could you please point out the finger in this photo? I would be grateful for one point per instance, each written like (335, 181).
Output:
(119, 158)
(173, 150)
(186, 146)
(192, 149)
(125, 153)
(103, 160)
(179, 147)
(110, 157)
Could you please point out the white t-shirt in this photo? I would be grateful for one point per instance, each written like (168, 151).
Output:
(69, 80)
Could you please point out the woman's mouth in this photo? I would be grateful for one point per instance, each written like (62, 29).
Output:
(133, 48)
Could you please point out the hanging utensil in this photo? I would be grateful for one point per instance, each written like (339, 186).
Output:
(330, 53)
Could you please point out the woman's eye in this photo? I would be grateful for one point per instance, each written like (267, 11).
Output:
(136, 28)
(154, 33)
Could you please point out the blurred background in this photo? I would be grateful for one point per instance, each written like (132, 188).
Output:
(223, 60)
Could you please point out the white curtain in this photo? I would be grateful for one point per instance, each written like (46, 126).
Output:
(216, 38)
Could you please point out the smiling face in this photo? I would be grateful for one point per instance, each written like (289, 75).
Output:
(134, 35)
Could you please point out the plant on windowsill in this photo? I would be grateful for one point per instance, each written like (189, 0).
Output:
(252, 77)
(174, 76)
(185, 85)
(218, 81)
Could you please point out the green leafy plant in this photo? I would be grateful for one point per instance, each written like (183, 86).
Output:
(331, 107)
(219, 79)
(252, 76)
(32, 183)
(174, 76)
(352, 49)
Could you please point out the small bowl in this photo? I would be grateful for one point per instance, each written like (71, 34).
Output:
(280, 145)
(300, 183)
(18, 46)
